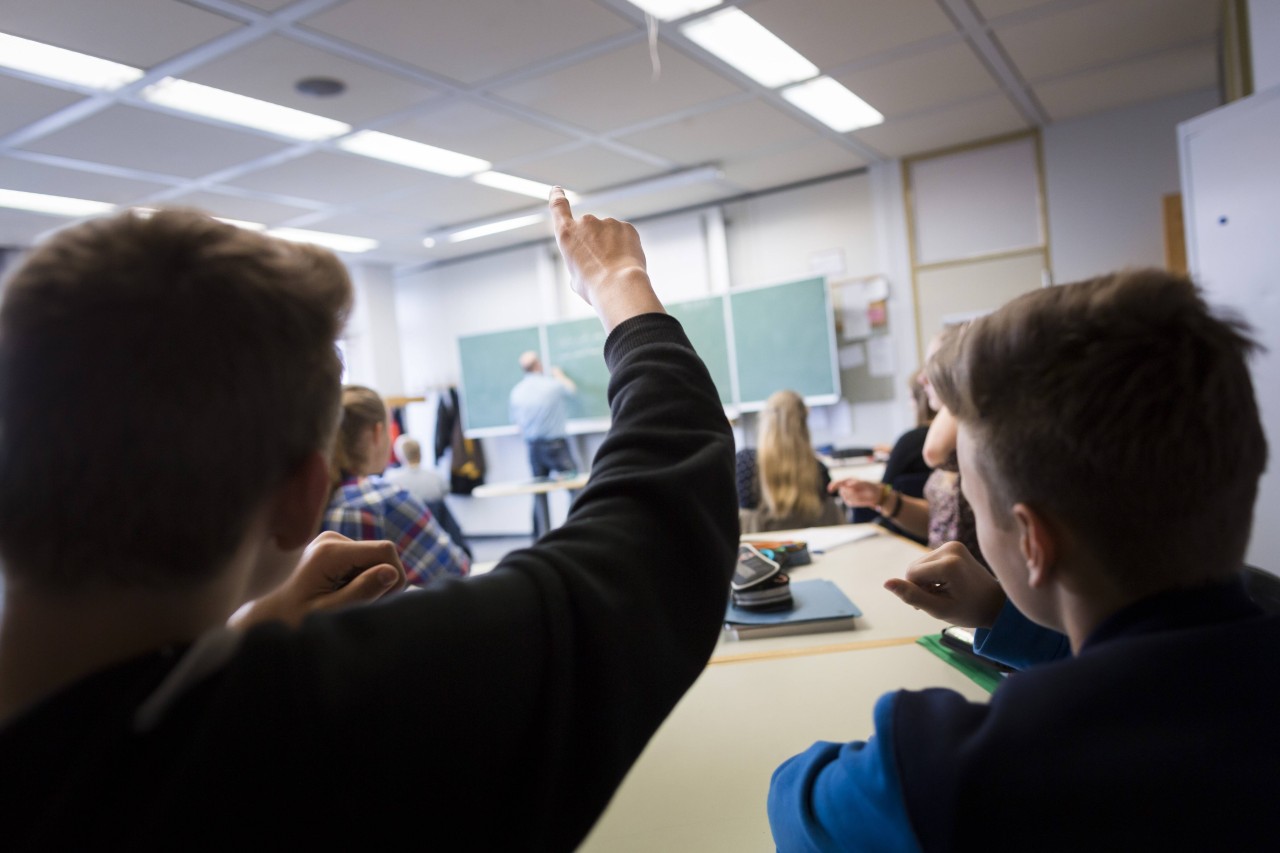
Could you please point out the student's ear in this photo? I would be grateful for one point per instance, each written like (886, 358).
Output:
(295, 515)
(1038, 541)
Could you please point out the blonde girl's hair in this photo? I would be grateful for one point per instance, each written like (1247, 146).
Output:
(788, 470)
(361, 409)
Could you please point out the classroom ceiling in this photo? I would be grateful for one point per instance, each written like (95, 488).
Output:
(585, 93)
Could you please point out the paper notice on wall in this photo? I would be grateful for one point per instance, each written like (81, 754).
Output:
(880, 358)
(854, 355)
(829, 263)
(854, 322)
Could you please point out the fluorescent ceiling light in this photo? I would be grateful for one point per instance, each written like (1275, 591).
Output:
(511, 183)
(738, 39)
(833, 105)
(52, 204)
(669, 10)
(493, 228)
(56, 63)
(418, 155)
(337, 242)
(240, 109)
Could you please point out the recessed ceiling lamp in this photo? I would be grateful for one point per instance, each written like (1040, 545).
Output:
(54, 205)
(833, 105)
(523, 186)
(417, 155)
(242, 110)
(491, 228)
(68, 66)
(669, 10)
(735, 37)
(337, 242)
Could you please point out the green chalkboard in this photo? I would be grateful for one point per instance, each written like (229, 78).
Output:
(577, 348)
(490, 369)
(703, 321)
(783, 337)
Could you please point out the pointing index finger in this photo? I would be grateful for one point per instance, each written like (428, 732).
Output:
(561, 213)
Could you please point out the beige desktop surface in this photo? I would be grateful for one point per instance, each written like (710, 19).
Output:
(700, 785)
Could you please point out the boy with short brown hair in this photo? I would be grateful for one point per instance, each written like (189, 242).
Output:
(168, 392)
(1111, 448)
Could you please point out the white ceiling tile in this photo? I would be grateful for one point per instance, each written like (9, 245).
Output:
(1099, 33)
(267, 5)
(141, 33)
(1168, 73)
(809, 160)
(995, 8)
(587, 169)
(25, 102)
(239, 207)
(665, 201)
(576, 94)
(473, 40)
(451, 201)
(481, 132)
(20, 228)
(364, 224)
(942, 128)
(137, 138)
(720, 134)
(333, 177)
(26, 176)
(833, 32)
(922, 81)
(269, 68)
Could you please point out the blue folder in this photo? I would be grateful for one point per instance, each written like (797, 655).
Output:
(814, 600)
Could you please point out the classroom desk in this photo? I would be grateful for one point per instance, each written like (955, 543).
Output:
(860, 570)
(539, 488)
(701, 783)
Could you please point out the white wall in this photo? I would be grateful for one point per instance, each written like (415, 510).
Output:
(1106, 175)
(1264, 43)
(776, 237)
(373, 358)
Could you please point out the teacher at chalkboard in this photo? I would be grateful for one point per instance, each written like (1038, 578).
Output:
(539, 406)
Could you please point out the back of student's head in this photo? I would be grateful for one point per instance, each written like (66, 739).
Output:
(1123, 407)
(788, 469)
(408, 450)
(158, 376)
(362, 410)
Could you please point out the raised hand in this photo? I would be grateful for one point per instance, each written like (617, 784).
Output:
(606, 263)
(949, 584)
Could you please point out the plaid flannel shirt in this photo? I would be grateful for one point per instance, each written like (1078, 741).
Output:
(366, 508)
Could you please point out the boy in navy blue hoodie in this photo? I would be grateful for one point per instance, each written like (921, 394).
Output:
(1111, 449)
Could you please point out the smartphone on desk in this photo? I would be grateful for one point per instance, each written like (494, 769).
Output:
(960, 640)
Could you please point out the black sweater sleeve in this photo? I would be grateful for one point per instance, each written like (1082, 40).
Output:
(509, 706)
